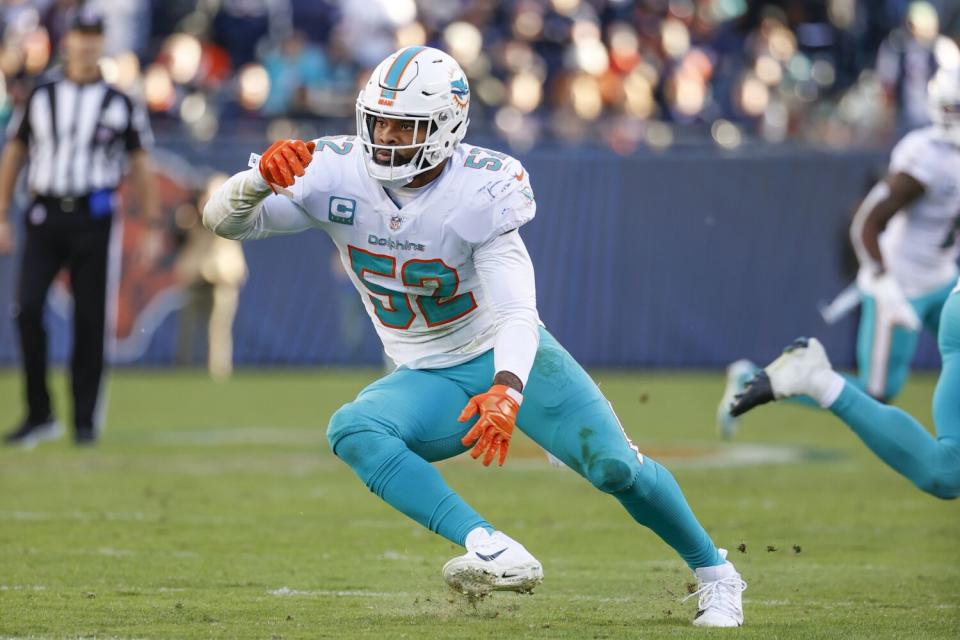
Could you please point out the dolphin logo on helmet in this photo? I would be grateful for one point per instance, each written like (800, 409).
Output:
(460, 91)
(423, 85)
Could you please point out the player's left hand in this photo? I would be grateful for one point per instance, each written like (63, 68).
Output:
(498, 409)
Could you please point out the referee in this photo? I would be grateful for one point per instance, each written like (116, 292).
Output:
(77, 133)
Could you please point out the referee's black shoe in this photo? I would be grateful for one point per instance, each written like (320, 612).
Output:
(85, 436)
(30, 432)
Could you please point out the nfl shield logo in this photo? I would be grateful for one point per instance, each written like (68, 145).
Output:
(395, 222)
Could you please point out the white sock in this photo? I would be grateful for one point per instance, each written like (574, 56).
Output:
(711, 574)
(832, 390)
(476, 537)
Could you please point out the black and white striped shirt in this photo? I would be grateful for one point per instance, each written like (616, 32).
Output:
(79, 136)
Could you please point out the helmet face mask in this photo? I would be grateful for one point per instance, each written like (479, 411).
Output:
(425, 87)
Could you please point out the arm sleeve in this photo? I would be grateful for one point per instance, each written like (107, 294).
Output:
(244, 209)
(506, 274)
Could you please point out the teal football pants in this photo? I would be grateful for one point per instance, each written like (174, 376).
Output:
(401, 423)
(884, 353)
(932, 464)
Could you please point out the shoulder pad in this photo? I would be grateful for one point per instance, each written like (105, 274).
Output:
(333, 158)
(496, 194)
(916, 155)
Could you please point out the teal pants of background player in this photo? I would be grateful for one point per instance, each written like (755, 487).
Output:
(891, 371)
(895, 368)
(932, 464)
(401, 423)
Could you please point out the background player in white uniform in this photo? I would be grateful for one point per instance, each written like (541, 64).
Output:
(906, 234)
(427, 229)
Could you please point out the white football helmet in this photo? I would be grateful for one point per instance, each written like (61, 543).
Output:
(943, 99)
(424, 85)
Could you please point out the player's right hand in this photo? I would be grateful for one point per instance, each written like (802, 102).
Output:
(490, 435)
(892, 305)
(285, 161)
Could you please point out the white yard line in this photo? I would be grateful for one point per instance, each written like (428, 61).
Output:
(22, 587)
(31, 516)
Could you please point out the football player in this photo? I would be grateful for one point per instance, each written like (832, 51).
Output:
(427, 230)
(932, 464)
(905, 234)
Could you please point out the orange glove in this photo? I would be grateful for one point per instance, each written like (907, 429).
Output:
(498, 409)
(285, 161)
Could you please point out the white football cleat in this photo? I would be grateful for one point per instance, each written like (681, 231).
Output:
(497, 563)
(803, 369)
(720, 603)
(738, 375)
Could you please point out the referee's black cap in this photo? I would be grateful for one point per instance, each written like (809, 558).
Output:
(87, 21)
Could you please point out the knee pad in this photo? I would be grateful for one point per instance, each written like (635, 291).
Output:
(611, 475)
(370, 452)
(347, 420)
(934, 487)
(933, 483)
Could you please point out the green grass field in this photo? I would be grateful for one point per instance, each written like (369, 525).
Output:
(218, 511)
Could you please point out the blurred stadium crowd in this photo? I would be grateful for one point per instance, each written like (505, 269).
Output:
(649, 73)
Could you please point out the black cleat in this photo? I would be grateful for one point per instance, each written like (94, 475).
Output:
(757, 392)
(85, 437)
(799, 343)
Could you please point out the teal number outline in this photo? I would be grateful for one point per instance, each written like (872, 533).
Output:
(339, 149)
(376, 290)
(491, 162)
(434, 308)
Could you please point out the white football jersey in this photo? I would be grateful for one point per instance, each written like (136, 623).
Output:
(920, 244)
(413, 266)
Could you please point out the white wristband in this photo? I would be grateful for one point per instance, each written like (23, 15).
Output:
(516, 395)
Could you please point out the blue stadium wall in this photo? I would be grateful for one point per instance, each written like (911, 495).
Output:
(685, 259)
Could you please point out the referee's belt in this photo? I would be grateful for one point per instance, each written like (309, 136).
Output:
(67, 204)
(97, 203)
